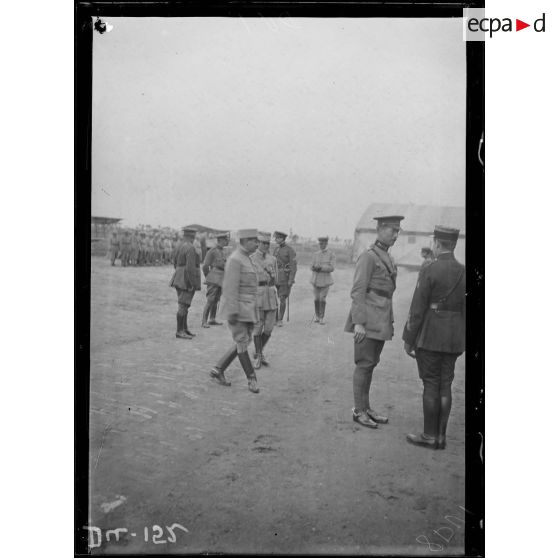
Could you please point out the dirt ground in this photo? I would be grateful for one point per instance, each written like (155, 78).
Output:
(282, 471)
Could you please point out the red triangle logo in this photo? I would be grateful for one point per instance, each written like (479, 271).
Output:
(519, 25)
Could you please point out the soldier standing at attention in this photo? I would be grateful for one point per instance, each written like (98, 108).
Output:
(286, 271)
(214, 270)
(125, 245)
(323, 263)
(435, 334)
(266, 268)
(134, 248)
(186, 280)
(114, 247)
(371, 314)
(240, 288)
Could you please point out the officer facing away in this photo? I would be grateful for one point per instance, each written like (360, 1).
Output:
(435, 335)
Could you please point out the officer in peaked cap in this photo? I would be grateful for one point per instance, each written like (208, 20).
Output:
(286, 271)
(371, 315)
(266, 268)
(214, 269)
(125, 248)
(240, 289)
(323, 263)
(435, 334)
(186, 280)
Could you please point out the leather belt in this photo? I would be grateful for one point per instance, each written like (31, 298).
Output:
(262, 283)
(379, 292)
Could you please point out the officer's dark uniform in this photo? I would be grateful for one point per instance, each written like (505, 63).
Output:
(435, 329)
(286, 271)
(214, 270)
(186, 280)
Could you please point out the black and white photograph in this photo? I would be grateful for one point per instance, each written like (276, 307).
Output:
(278, 358)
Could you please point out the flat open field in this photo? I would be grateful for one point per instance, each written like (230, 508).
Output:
(282, 471)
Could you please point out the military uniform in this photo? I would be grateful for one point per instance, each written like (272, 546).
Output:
(186, 280)
(266, 268)
(435, 329)
(134, 248)
(125, 247)
(214, 270)
(286, 271)
(239, 307)
(372, 307)
(323, 263)
(114, 247)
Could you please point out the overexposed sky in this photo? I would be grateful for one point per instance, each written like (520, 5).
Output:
(297, 124)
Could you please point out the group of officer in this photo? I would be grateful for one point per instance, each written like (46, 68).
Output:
(142, 248)
(251, 280)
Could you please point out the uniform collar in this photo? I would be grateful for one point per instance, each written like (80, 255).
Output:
(445, 256)
(381, 245)
(243, 250)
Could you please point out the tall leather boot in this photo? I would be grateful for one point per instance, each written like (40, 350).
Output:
(316, 311)
(188, 332)
(258, 353)
(180, 331)
(213, 313)
(445, 409)
(431, 411)
(282, 307)
(265, 339)
(246, 363)
(205, 314)
(218, 371)
(322, 311)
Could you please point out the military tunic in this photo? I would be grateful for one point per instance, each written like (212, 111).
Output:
(373, 287)
(436, 319)
(286, 269)
(214, 271)
(186, 278)
(321, 280)
(240, 289)
(266, 268)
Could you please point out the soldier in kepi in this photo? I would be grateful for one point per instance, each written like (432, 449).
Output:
(323, 263)
(435, 335)
(186, 280)
(286, 271)
(240, 288)
(213, 270)
(266, 268)
(371, 315)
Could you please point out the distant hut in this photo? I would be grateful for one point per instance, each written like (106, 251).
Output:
(416, 230)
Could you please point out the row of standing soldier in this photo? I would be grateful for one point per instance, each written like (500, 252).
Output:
(142, 248)
(434, 333)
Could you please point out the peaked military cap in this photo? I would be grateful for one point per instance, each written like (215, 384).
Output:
(222, 235)
(445, 233)
(264, 237)
(390, 220)
(247, 233)
(279, 233)
(189, 230)
(320, 238)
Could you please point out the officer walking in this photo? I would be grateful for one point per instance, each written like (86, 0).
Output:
(371, 314)
(323, 263)
(286, 271)
(266, 268)
(186, 280)
(240, 287)
(435, 334)
(214, 270)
